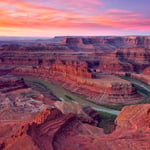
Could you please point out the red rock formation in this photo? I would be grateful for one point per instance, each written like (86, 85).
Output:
(108, 43)
(134, 54)
(101, 90)
(125, 60)
(143, 77)
(130, 49)
(71, 69)
(147, 71)
(54, 130)
(112, 64)
(10, 83)
(85, 113)
(46, 131)
(134, 117)
(4, 71)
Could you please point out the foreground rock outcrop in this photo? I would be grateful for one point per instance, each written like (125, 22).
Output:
(85, 113)
(46, 132)
(53, 130)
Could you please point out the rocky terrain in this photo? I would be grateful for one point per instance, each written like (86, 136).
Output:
(17, 100)
(67, 131)
(76, 77)
(98, 69)
(76, 63)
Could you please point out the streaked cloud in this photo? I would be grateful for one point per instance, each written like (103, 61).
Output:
(67, 17)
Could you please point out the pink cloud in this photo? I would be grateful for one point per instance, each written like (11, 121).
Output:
(27, 15)
(119, 12)
(123, 19)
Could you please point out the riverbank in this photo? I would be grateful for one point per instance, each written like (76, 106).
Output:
(142, 87)
(63, 94)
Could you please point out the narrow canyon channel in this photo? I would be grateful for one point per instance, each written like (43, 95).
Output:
(65, 95)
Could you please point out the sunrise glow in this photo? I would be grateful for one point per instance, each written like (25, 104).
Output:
(72, 17)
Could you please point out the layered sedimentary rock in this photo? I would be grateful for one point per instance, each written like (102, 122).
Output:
(52, 126)
(111, 64)
(125, 60)
(83, 112)
(143, 77)
(102, 89)
(75, 63)
(131, 52)
(147, 71)
(18, 104)
(107, 43)
(134, 54)
(5, 71)
(19, 101)
(54, 130)
(138, 57)
(10, 83)
(71, 69)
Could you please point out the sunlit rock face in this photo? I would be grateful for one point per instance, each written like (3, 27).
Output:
(76, 77)
(71, 69)
(54, 130)
(84, 65)
(103, 54)
(147, 71)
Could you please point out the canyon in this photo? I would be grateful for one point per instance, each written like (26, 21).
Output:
(67, 131)
(108, 71)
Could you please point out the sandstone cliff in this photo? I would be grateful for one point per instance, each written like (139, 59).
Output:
(76, 77)
(54, 130)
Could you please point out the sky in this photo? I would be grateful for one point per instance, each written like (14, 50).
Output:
(48, 18)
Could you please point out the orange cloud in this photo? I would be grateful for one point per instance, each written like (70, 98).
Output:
(18, 15)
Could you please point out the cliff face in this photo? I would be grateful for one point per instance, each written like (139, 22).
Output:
(130, 53)
(47, 131)
(85, 113)
(76, 77)
(143, 76)
(107, 43)
(125, 60)
(73, 63)
(103, 88)
(54, 130)
(134, 54)
(112, 63)
(71, 69)
(10, 83)
(147, 71)
(134, 117)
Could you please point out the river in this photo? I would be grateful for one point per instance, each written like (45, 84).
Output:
(66, 95)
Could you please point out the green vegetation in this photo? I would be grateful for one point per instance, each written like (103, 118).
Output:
(60, 92)
(116, 107)
(107, 115)
(68, 97)
(107, 119)
(107, 122)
